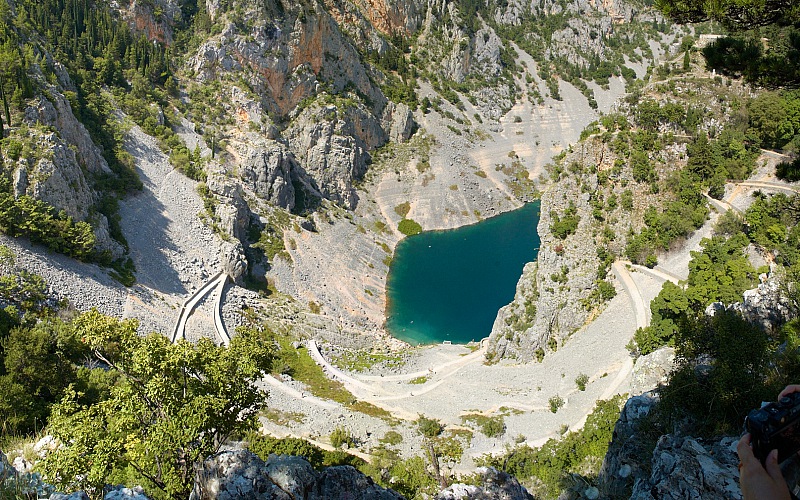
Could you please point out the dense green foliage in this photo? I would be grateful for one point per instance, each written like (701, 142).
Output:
(743, 53)
(720, 273)
(263, 446)
(173, 406)
(726, 365)
(549, 468)
(409, 227)
(39, 221)
(566, 224)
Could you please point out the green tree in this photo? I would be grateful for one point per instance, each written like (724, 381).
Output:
(734, 14)
(175, 406)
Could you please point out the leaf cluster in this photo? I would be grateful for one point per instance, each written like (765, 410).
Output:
(173, 406)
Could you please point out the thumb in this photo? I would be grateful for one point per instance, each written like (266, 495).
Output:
(773, 469)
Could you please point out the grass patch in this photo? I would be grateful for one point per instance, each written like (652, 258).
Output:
(490, 426)
(299, 365)
(481, 174)
(284, 418)
(403, 209)
(373, 411)
(360, 361)
(391, 438)
(419, 380)
(380, 226)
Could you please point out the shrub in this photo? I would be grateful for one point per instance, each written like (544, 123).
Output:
(555, 402)
(392, 438)
(409, 227)
(429, 427)
(581, 381)
(493, 427)
(341, 436)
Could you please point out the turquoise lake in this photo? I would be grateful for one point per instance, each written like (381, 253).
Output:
(448, 285)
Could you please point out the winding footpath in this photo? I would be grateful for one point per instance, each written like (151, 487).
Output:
(215, 284)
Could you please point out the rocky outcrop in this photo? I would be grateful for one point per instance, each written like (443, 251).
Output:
(241, 474)
(766, 305)
(689, 468)
(589, 24)
(56, 112)
(267, 167)
(153, 18)
(232, 211)
(286, 58)
(332, 142)
(652, 370)
(233, 260)
(393, 17)
(549, 303)
(398, 122)
(53, 175)
(492, 484)
(626, 460)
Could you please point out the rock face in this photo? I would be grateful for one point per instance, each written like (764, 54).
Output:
(548, 305)
(233, 260)
(625, 461)
(293, 60)
(58, 114)
(688, 468)
(232, 210)
(679, 467)
(652, 370)
(333, 143)
(241, 474)
(54, 175)
(267, 168)
(765, 305)
(493, 485)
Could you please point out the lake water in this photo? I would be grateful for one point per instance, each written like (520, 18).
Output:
(449, 285)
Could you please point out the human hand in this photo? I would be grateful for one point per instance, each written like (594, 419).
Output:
(788, 390)
(758, 483)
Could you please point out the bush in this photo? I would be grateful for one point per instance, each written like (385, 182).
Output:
(392, 438)
(429, 427)
(341, 436)
(263, 446)
(581, 452)
(555, 402)
(409, 227)
(581, 381)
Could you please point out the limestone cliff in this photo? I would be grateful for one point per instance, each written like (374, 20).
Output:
(54, 164)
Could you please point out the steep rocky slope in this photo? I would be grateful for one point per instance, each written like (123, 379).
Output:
(600, 199)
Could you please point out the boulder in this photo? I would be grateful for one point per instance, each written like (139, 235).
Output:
(689, 468)
(241, 474)
(124, 493)
(492, 485)
(652, 370)
(233, 261)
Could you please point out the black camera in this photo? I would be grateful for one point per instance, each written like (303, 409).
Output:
(775, 426)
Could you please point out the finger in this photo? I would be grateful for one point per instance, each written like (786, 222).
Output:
(743, 448)
(788, 390)
(773, 469)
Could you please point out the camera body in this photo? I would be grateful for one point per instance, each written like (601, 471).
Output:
(775, 426)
